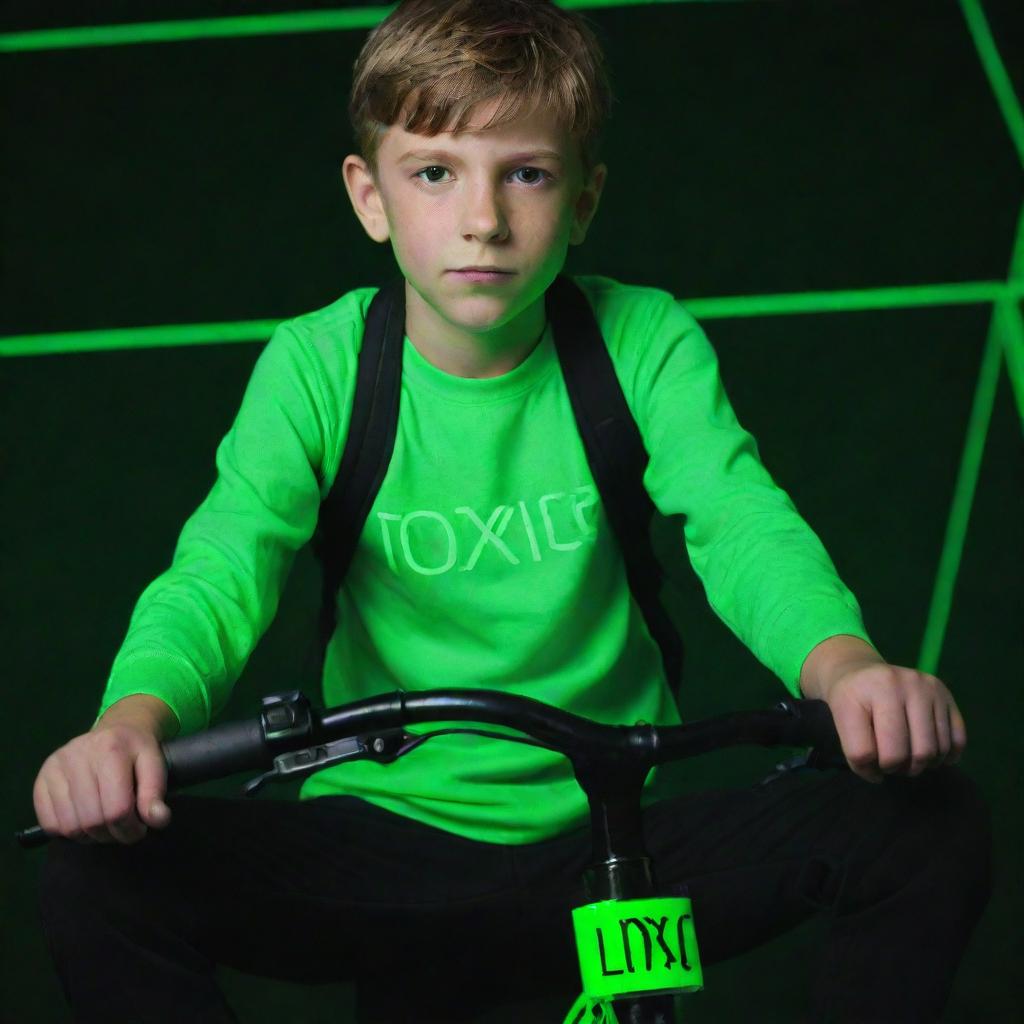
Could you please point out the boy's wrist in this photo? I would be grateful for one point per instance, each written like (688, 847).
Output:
(143, 710)
(830, 659)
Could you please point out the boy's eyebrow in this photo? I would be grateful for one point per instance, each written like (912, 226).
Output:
(440, 154)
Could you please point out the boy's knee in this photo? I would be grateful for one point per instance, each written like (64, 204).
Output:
(971, 820)
(65, 870)
(933, 830)
(963, 802)
(961, 824)
(75, 878)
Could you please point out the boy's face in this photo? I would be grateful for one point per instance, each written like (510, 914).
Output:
(487, 202)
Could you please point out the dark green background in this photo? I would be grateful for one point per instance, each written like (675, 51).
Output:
(756, 147)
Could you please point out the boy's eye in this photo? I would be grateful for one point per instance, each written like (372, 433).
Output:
(437, 167)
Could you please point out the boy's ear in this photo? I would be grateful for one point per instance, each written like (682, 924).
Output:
(586, 204)
(366, 198)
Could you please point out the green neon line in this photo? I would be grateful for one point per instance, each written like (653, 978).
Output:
(1016, 274)
(1012, 330)
(1005, 326)
(197, 28)
(245, 25)
(963, 498)
(709, 309)
(1006, 98)
(965, 293)
(171, 335)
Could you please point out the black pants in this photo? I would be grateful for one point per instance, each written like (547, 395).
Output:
(336, 888)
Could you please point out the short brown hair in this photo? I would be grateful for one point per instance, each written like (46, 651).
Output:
(443, 58)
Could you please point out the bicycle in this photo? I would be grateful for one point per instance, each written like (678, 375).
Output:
(637, 947)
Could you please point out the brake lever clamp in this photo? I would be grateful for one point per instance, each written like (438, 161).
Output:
(799, 762)
(383, 746)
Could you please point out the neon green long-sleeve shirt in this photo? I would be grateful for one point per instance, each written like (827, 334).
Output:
(486, 560)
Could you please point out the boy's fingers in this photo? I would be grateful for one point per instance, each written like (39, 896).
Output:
(857, 737)
(943, 730)
(45, 814)
(958, 731)
(116, 786)
(892, 735)
(82, 804)
(925, 746)
(61, 813)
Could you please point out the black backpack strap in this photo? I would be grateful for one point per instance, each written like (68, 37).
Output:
(617, 457)
(610, 437)
(369, 445)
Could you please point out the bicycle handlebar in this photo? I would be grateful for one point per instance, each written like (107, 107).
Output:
(289, 739)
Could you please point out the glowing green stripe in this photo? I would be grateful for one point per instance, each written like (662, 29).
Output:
(167, 336)
(1007, 100)
(963, 496)
(1016, 273)
(709, 309)
(845, 301)
(1006, 337)
(198, 28)
(1012, 330)
(246, 25)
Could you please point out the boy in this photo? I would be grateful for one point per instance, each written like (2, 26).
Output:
(487, 561)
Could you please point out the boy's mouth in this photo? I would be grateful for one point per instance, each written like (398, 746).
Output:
(493, 277)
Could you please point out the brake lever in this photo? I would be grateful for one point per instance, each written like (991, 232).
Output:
(383, 746)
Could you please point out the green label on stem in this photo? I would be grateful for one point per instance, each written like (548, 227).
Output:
(637, 947)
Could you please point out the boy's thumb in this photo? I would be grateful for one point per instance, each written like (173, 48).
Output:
(150, 787)
(158, 813)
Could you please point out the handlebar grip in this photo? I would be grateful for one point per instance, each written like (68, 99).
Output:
(215, 752)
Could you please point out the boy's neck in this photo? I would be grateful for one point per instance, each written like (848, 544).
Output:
(467, 354)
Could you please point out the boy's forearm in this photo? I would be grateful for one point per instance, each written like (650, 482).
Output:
(143, 709)
(829, 659)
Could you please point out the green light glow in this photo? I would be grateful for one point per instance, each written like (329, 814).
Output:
(166, 336)
(246, 25)
(1013, 349)
(704, 309)
(1006, 337)
(191, 29)
(1013, 342)
(960, 512)
(965, 293)
(1002, 87)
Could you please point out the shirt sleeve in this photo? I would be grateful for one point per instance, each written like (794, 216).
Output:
(765, 572)
(194, 627)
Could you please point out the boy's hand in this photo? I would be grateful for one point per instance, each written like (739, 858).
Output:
(894, 720)
(106, 785)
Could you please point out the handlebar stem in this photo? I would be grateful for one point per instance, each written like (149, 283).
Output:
(620, 867)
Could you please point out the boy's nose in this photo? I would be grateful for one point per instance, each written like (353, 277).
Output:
(482, 213)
